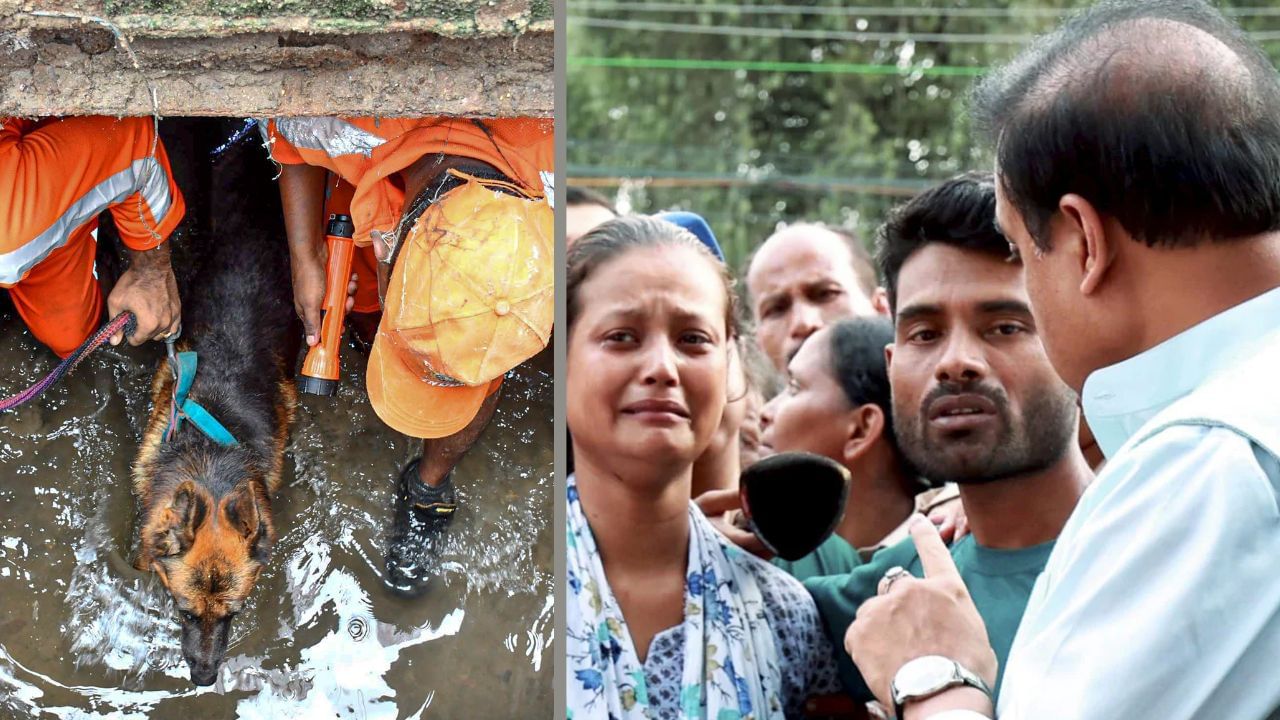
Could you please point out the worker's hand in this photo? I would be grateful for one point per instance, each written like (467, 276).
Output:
(721, 507)
(149, 291)
(915, 617)
(308, 267)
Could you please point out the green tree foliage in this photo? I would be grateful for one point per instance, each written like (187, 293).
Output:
(832, 111)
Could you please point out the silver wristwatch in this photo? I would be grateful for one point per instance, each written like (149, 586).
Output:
(929, 675)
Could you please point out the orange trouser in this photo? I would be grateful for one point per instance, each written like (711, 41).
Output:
(56, 176)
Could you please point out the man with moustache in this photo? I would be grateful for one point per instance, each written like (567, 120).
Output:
(975, 402)
(809, 275)
(1137, 152)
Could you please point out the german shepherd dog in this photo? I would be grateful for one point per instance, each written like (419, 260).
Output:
(204, 523)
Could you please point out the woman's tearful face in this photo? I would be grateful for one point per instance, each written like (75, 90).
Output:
(647, 370)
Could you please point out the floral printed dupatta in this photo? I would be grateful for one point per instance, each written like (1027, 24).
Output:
(730, 663)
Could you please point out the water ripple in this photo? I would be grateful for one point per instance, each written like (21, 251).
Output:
(84, 635)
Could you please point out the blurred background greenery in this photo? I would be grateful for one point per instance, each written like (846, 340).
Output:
(759, 114)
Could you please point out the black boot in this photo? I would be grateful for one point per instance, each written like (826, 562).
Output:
(421, 513)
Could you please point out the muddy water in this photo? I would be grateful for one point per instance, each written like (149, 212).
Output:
(83, 635)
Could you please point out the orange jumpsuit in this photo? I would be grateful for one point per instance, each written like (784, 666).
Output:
(367, 152)
(56, 176)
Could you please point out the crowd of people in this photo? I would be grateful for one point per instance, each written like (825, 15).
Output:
(1052, 388)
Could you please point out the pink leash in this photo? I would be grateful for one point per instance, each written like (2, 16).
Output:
(124, 320)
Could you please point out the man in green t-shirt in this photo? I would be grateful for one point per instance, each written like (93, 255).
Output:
(837, 404)
(975, 402)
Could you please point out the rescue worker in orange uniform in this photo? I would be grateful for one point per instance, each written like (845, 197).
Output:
(457, 213)
(56, 176)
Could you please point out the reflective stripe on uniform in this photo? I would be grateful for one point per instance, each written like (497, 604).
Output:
(145, 174)
(334, 136)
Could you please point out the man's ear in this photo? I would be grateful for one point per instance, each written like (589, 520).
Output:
(888, 355)
(880, 302)
(1084, 234)
(866, 425)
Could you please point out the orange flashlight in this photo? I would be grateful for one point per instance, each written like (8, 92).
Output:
(320, 369)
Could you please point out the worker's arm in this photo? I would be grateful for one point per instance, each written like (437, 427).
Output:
(145, 220)
(302, 195)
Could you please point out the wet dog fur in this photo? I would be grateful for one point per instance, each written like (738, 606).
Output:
(205, 523)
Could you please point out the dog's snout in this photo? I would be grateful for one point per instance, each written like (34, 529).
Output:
(204, 648)
(202, 673)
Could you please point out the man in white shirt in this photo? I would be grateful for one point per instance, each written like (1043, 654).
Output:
(1138, 176)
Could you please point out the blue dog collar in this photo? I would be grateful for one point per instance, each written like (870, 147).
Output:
(205, 422)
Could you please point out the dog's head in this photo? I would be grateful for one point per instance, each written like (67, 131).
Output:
(208, 548)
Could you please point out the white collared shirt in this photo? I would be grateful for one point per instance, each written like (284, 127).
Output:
(1161, 598)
